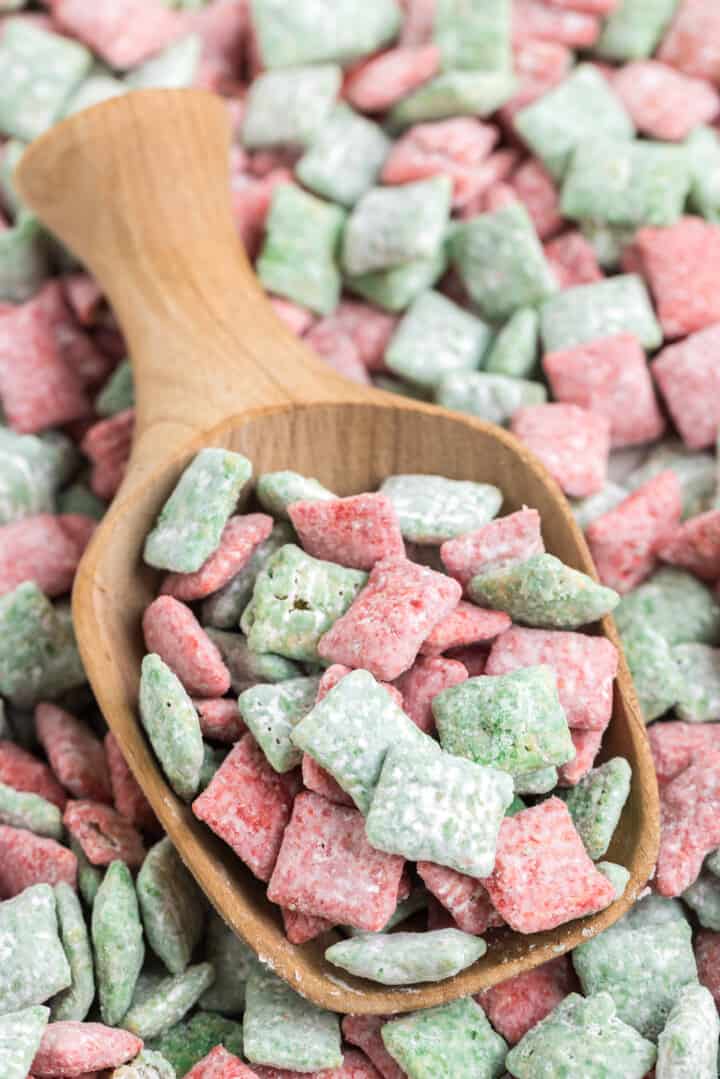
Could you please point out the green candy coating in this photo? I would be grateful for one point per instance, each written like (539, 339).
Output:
(23, 809)
(74, 1002)
(168, 1001)
(406, 958)
(432, 509)
(271, 713)
(289, 106)
(233, 960)
(284, 1030)
(248, 667)
(514, 350)
(185, 1044)
(118, 393)
(491, 397)
(454, 1041)
(345, 158)
(29, 928)
(169, 717)
(454, 93)
(20, 1036)
(117, 938)
(585, 312)
(688, 1045)
(171, 905)
(680, 607)
(473, 37)
(38, 654)
(634, 28)
(434, 338)
(322, 30)
(224, 608)
(396, 288)
(596, 803)
(277, 490)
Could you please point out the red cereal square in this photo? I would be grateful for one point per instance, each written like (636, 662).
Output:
(692, 44)
(587, 746)
(682, 265)
(76, 755)
(533, 19)
(689, 823)
(456, 148)
(516, 1005)
(506, 539)
(339, 351)
(426, 678)
(24, 772)
(695, 545)
(662, 102)
(296, 318)
(474, 660)
(27, 859)
(69, 1048)
(364, 1031)
(571, 442)
(38, 549)
(418, 23)
(317, 779)
(465, 898)
(572, 259)
(75, 347)
(84, 296)
(107, 444)
(174, 633)
(369, 329)
(466, 625)
(327, 868)
(375, 84)
(354, 1066)
(121, 32)
(128, 797)
(707, 955)
(239, 539)
(610, 377)
(538, 66)
(674, 744)
(355, 532)
(220, 719)
(498, 196)
(248, 805)
(625, 540)
(485, 177)
(543, 876)
(390, 618)
(688, 376)
(536, 189)
(103, 833)
(585, 669)
(219, 1064)
(300, 928)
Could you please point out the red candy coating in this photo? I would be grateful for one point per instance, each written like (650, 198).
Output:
(128, 797)
(103, 833)
(239, 539)
(689, 823)
(466, 625)
(465, 898)
(355, 532)
(24, 772)
(674, 744)
(219, 1064)
(220, 719)
(516, 1005)
(76, 755)
(571, 442)
(173, 631)
(512, 538)
(426, 678)
(682, 265)
(70, 1049)
(688, 375)
(364, 1031)
(27, 859)
(695, 545)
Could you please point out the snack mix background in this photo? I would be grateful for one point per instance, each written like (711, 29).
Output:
(385, 704)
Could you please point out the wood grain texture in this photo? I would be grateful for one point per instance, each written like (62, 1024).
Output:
(137, 188)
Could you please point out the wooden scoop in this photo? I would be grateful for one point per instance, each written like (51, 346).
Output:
(138, 189)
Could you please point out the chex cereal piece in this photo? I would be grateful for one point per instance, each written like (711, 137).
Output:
(326, 867)
(534, 18)
(699, 700)
(662, 102)
(457, 147)
(513, 722)
(276, 491)
(117, 938)
(466, 625)
(688, 1043)
(232, 959)
(634, 28)
(172, 725)
(20, 809)
(522, 886)
(378, 83)
(587, 510)
(656, 674)
(512, 538)
(128, 797)
(688, 823)
(224, 608)
(172, 632)
(596, 803)
(501, 262)
(681, 264)
(465, 898)
(72, 1049)
(248, 667)
(433, 338)
(642, 961)
(573, 259)
(695, 545)
(452, 1040)
(355, 532)
(518, 1004)
(435, 807)
(349, 732)
(624, 541)
(390, 618)
(28, 924)
(618, 876)
(679, 606)
(364, 1031)
(238, 541)
(584, 666)
(432, 509)
(583, 1034)
(690, 44)
(185, 1044)
(674, 745)
(24, 772)
(473, 38)
(281, 1028)
(406, 958)
(585, 312)
(537, 191)
(148, 1065)
(571, 442)
(543, 592)
(296, 599)
(172, 907)
(38, 548)
(248, 805)
(27, 859)
(20, 1035)
(103, 833)
(332, 675)
(513, 351)
(300, 928)
(289, 107)
(425, 679)
(75, 1001)
(272, 711)
(89, 876)
(345, 158)
(703, 148)
(322, 31)
(107, 444)
(190, 526)
(694, 470)
(368, 328)
(219, 1064)
(686, 374)
(163, 1001)
(609, 377)
(76, 756)
(539, 66)
(317, 779)
(553, 125)
(395, 288)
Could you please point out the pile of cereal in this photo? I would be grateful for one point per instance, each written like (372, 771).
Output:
(510, 207)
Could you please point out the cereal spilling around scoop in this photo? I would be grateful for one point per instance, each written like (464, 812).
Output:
(391, 705)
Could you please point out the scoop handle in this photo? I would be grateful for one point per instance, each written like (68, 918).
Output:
(138, 189)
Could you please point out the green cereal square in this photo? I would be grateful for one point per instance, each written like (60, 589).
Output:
(432, 509)
(38, 657)
(233, 960)
(596, 803)
(582, 1037)
(289, 107)
(473, 36)
(540, 781)
(491, 397)
(28, 929)
(634, 28)
(28, 476)
(345, 158)
(543, 592)
(171, 905)
(23, 809)
(454, 1041)
(278, 490)
(349, 732)
(405, 958)
(322, 30)
(284, 1030)
(172, 725)
(224, 608)
(167, 1001)
(271, 712)
(431, 806)
(92, 91)
(696, 473)
(148, 1065)
(703, 897)
(395, 289)
(74, 1002)
(514, 350)
(117, 939)
(174, 68)
(118, 392)
(186, 1044)
(297, 260)
(393, 225)
(433, 338)
(585, 312)
(656, 675)
(295, 601)
(501, 262)
(191, 522)
(40, 71)
(623, 182)
(618, 876)
(24, 259)
(213, 756)
(513, 722)
(642, 961)
(455, 93)
(20, 1036)
(679, 606)
(699, 700)
(248, 667)
(607, 242)
(553, 125)
(689, 1043)
(703, 147)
